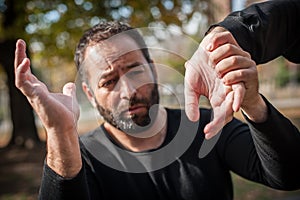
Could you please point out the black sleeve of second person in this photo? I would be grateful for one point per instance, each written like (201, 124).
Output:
(267, 30)
(269, 155)
(277, 141)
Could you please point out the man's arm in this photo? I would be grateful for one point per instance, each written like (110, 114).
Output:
(58, 113)
(56, 187)
(277, 142)
(267, 153)
(267, 30)
(273, 160)
(275, 138)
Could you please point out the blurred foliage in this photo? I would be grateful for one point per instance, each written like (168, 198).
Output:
(285, 75)
(52, 28)
(282, 76)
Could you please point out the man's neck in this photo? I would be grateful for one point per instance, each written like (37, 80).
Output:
(151, 138)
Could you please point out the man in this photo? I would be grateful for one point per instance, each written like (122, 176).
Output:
(136, 153)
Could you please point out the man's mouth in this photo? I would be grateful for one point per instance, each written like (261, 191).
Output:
(137, 109)
(134, 110)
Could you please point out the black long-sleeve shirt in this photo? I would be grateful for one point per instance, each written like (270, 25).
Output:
(267, 30)
(266, 153)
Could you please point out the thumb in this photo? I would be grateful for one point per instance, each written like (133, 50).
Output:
(191, 96)
(191, 104)
(239, 93)
(69, 89)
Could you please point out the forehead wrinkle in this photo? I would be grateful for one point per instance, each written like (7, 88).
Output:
(101, 56)
(114, 47)
(118, 45)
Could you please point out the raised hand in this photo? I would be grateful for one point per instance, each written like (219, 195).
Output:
(237, 70)
(223, 72)
(58, 112)
(201, 79)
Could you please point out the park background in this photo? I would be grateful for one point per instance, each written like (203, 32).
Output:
(52, 28)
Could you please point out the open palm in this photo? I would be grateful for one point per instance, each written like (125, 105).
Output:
(58, 112)
(201, 79)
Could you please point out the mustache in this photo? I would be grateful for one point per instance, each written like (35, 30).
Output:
(132, 102)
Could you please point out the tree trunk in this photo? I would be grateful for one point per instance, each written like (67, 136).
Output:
(24, 128)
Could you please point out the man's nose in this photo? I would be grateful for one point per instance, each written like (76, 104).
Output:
(127, 88)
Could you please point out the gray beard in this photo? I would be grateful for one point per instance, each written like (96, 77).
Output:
(130, 125)
(133, 124)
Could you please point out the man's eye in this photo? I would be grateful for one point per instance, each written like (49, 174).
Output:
(108, 83)
(135, 72)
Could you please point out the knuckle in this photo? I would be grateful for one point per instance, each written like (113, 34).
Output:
(227, 34)
(229, 47)
(241, 73)
(234, 61)
(248, 54)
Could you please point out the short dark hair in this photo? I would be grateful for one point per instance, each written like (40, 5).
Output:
(105, 30)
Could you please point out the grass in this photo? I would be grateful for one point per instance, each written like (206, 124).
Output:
(247, 190)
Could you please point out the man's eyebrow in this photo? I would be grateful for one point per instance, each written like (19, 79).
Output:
(106, 74)
(132, 65)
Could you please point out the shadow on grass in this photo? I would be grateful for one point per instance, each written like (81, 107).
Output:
(20, 172)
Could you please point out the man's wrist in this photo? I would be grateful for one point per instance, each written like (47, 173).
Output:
(63, 153)
(256, 112)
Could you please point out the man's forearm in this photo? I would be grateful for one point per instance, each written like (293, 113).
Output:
(63, 153)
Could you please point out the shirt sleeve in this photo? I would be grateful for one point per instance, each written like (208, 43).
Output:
(277, 142)
(56, 187)
(266, 153)
(267, 30)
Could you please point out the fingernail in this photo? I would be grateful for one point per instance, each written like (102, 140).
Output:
(22, 42)
(209, 47)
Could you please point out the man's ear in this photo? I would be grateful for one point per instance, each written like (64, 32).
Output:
(89, 94)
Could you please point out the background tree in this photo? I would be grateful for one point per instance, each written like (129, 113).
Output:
(52, 28)
(24, 130)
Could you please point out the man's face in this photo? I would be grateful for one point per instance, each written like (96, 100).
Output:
(123, 83)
